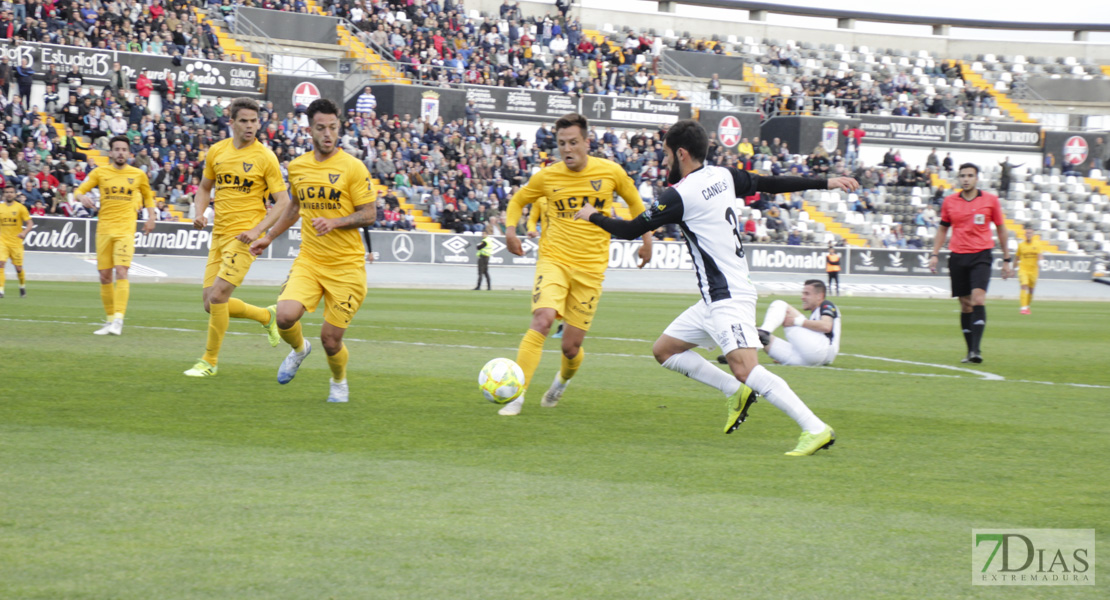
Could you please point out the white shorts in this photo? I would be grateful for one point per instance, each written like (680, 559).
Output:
(802, 347)
(729, 324)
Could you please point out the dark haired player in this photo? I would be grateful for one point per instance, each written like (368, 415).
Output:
(703, 202)
(333, 197)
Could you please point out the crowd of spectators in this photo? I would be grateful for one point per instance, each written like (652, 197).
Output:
(160, 27)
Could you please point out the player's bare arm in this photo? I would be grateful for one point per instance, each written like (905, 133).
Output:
(363, 216)
(281, 202)
(27, 226)
(291, 212)
(938, 243)
(203, 199)
(1007, 260)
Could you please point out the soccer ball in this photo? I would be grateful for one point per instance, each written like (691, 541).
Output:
(501, 381)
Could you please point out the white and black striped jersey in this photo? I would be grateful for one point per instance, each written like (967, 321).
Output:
(706, 205)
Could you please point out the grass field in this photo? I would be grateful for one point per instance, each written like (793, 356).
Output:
(120, 478)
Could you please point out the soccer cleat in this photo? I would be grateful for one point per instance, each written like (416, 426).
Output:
(339, 391)
(271, 328)
(974, 357)
(812, 442)
(764, 336)
(105, 330)
(558, 332)
(116, 327)
(1, 293)
(201, 369)
(721, 359)
(555, 392)
(967, 358)
(512, 409)
(288, 369)
(22, 292)
(1025, 310)
(738, 405)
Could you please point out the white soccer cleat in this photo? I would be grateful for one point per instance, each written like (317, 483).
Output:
(288, 369)
(555, 392)
(105, 330)
(116, 327)
(512, 409)
(338, 391)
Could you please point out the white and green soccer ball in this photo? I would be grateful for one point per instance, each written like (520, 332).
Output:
(501, 381)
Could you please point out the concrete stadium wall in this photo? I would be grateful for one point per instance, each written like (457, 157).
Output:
(940, 47)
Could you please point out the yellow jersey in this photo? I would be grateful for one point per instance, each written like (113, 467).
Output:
(330, 189)
(243, 178)
(122, 192)
(1027, 253)
(12, 218)
(574, 243)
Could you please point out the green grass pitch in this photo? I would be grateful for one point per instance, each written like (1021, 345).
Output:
(121, 478)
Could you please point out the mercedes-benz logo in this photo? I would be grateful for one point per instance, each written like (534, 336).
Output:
(402, 247)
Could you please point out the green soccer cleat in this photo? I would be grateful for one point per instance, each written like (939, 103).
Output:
(201, 369)
(812, 442)
(271, 328)
(738, 405)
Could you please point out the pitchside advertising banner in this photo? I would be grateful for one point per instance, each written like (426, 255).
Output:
(415, 247)
(921, 131)
(517, 103)
(214, 77)
(730, 127)
(628, 110)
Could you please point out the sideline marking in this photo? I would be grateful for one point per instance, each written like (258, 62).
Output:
(982, 374)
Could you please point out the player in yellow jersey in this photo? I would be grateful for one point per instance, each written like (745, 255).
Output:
(15, 224)
(571, 267)
(122, 188)
(333, 197)
(1029, 254)
(243, 173)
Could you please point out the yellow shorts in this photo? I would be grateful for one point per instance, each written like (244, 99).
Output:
(1027, 278)
(114, 250)
(572, 293)
(343, 290)
(12, 251)
(229, 259)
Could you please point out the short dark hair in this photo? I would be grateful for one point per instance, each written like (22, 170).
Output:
(321, 106)
(689, 135)
(120, 138)
(239, 104)
(573, 120)
(817, 285)
(968, 166)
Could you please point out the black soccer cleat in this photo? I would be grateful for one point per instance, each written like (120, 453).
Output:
(22, 292)
(975, 357)
(764, 337)
(721, 359)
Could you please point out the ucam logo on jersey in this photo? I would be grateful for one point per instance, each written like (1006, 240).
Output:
(729, 131)
(305, 93)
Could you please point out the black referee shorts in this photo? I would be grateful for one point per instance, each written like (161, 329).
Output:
(969, 272)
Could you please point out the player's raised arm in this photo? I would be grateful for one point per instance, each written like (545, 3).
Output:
(668, 211)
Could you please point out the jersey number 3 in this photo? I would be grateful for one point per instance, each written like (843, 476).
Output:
(737, 230)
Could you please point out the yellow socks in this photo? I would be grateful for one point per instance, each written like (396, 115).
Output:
(529, 354)
(570, 365)
(22, 278)
(123, 292)
(108, 297)
(241, 310)
(338, 364)
(293, 336)
(217, 328)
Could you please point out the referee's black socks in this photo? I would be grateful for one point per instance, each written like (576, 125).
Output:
(978, 324)
(965, 325)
